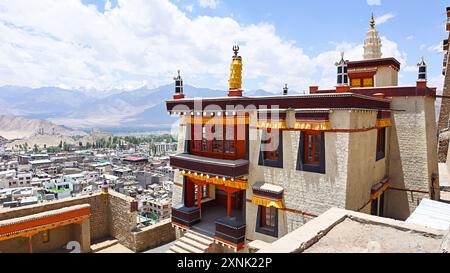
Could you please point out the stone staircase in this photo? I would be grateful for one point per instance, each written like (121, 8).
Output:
(192, 242)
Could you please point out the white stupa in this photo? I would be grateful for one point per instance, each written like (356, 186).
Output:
(372, 43)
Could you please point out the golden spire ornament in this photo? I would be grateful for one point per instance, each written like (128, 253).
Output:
(235, 81)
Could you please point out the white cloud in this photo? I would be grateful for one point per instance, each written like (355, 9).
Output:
(436, 48)
(373, 2)
(436, 81)
(410, 68)
(384, 18)
(108, 5)
(189, 8)
(410, 37)
(144, 42)
(212, 4)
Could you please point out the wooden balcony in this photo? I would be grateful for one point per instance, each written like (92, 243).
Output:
(185, 217)
(231, 232)
(211, 166)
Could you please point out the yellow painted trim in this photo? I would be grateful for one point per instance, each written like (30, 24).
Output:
(271, 124)
(237, 183)
(218, 120)
(260, 201)
(384, 122)
(380, 191)
(313, 125)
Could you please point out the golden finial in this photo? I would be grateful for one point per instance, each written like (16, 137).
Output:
(342, 54)
(236, 70)
(372, 22)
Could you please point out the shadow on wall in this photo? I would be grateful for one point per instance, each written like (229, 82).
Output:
(396, 204)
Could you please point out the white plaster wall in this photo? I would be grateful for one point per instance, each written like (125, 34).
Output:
(177, 194)
(386, 76)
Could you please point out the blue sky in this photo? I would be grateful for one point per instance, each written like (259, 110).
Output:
(102, 44)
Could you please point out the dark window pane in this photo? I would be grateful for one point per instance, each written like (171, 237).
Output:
(317, 151)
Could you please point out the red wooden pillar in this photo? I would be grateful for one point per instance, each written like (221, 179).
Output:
(199, 195)
(229, 207)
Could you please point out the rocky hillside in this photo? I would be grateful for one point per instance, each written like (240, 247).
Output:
(12, 127)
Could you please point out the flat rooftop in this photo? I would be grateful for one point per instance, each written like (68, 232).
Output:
(354, 236)
(344, 231)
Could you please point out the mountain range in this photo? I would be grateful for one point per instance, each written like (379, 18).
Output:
(141, 109)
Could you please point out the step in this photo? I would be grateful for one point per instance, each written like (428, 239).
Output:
(194, 243)
(200, 239)
(207, 234)
(177, 249)
(170, 251)
(199, 234)
(104, 244)
(187, 247)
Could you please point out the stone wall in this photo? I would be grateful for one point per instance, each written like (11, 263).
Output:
(122, 219)
(153, 236)
(413, 159)
(444, 113)
(351, 170)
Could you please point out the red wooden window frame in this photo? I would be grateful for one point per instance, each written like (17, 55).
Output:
(209, 146)
(268, 217)
(312, 147)
(271, 144)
